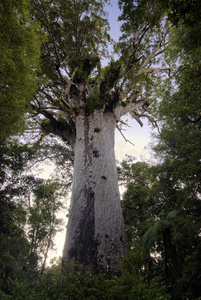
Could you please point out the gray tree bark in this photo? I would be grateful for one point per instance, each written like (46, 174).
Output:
(95, 232)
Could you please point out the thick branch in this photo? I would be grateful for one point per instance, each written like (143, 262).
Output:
(143, 28)
(136, 44)
(68, 87)
(159, 49)
(152, 55)
(127, 106)
(152, 71)
(60, 128)
(135, 115)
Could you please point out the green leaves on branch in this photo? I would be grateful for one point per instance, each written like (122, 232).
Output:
(137, 13)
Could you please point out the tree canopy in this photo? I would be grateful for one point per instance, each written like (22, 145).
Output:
(72, 78)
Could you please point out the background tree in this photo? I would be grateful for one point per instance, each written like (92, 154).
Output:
(19, 59)
(43, 220)
(177, 178)
(14, 242)
(180, 135)
(28, 223)
(163, 228)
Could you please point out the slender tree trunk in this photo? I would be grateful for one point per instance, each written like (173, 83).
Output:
(52, 223)
(95, 232)
(166, 258)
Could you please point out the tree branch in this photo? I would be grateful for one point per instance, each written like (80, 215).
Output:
(135, 115)
(128, 105)
(136, 44)
(159, 49)
(124, 135)
(152, 55)
(69, 84)
(152, 71)
(62, 129)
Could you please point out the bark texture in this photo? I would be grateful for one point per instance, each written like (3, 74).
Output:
(95, 232)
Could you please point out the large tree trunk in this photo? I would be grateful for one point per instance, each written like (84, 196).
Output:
(95, 232)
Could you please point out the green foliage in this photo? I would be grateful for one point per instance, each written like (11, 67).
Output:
(93, 102)
(163, 226)
(27, 205)
(180, 107)
(43, 221)
(5, 296)
(85, 67)
(80, 284)
(185, 11)
(68, 25)
(179, 150)
(136, 13)
(14, 246)
(19, 59)
(136, 210)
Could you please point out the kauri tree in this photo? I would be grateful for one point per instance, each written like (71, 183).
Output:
(82, 102)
